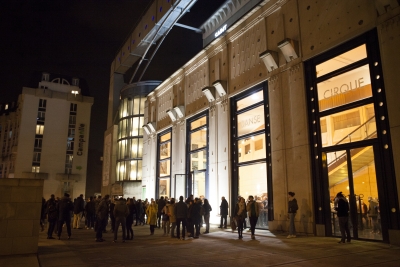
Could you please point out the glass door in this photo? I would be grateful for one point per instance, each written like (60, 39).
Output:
(352, 172)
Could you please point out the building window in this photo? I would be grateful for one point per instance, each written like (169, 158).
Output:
(38, 143)
(251, 147)
(42, 103)
(164, 164)
(72, 119)
(41, 116)
(39, 129)
(36, 169)
(197, 151)
(73, 108)
(36, 157)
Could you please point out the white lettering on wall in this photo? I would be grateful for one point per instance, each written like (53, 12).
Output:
(221, 30)
(256, 119)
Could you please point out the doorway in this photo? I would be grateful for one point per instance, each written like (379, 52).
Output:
(352, 171)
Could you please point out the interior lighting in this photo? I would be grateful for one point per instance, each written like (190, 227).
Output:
(209, 92)
(151, 126)
(172, 114)
(180, 111)
(270, 58)
(146, 128)
(289, 49)
(220, 87)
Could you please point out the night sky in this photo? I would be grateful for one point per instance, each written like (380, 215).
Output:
(80, 38)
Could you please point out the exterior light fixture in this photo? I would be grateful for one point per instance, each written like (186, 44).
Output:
(209, 92)
(180, 111)
(270, 58)
(172, 114)
(151, 126)
(289, 49)
(75, 92)
(146, 128)
(220, 87)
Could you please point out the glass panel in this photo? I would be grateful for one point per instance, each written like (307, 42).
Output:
(197, 123)
(250, 100)
(198, 161)
(142, 103)
(165, 168)
(136, 106)
(251, 121)
(134, 148)
(342, 60)
(133, 170)
(165, 150)
(135, 126)
(253, 181)
(343, 89)
(164, 188)
(165, 137)
(348, 126)
(199, 184)
(338, 180)
(198, 139)
(252, 148)
(141, 123)
(140, 152)
(366, 193)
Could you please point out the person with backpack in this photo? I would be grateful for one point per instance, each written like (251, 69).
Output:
(292, 209)
(52, 215)
(342, 208)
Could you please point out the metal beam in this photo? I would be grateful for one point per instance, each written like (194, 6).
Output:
(189, 27)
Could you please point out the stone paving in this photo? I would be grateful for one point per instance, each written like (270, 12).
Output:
(218, 248)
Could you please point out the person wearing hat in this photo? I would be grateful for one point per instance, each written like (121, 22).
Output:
(342, 208)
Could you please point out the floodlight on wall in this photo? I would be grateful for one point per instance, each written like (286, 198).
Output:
(75, 92)
(180, 111)
(209, 92)
(172, 114)
(146, 128)
(289, 49)
(220, 87)
(270, 58)
(151, 126)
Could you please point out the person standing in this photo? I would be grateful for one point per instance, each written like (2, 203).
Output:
(172, 217)
(65, 206)
(90, 213)
(151, 212)
(224, 213)
(102, 217)
(342, 207)
(196, 217)
(181, 211)
(112, 206)
(52, 215)
(78, 209)
(207, 208)
(120, 213)
(292, 209)
(240, 215)
(253, 212)
(129, 219)
(161, 204)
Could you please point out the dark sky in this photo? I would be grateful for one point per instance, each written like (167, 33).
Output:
(81, 38)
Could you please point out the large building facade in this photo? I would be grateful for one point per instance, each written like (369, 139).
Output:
(285, 96)
(45, 135)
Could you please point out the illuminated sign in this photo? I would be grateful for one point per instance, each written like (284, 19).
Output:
(81, 130)
(221, 31)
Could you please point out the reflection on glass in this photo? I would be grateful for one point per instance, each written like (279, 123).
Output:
(252, 148)
(164, 187)
(250, 100)
(366, 193)
(343, 89)
(348, 126)
(198, 139)
(165, 150)
(197, 123)
(251, 121)
(198, 161)
(165, 168)
(342, 60)
(199, 183)
(253, 181)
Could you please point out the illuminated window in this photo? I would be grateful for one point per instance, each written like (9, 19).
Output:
(39, 129)
(36, 169)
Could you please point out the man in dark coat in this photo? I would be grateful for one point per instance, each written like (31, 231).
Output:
(90, 213)
(65, 206)
(52, 215)
(181, 213)
(342, 208)
(102, 217)
(223, 212)
(78, 209)
(161, 204)
(196, 216)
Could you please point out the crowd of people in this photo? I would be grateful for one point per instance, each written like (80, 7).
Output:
(180, 218)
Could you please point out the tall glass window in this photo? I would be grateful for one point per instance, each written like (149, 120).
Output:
(197, 156)
(164, 164)
(251, 150)
(130, 139)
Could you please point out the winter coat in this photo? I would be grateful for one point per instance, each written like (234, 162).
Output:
(51, 209)
(242, 215)
(79, 205)
(151, 212)
(90, 208)
(65, 206)
(181, 210)
(139, 208)
(224, 208)
(121, 209)
(292, 206)
(207, 208)
(112, 206)
(195, 212)
(342, 206)
(161, 204)
(102, 209)
(171, 213)
(249, 207)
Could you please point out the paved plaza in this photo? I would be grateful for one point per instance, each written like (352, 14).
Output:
(218, 248)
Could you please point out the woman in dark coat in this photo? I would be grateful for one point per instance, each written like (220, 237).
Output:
(240, 215)
(129, 220)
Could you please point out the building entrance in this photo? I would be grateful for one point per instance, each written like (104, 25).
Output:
(353, 172)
